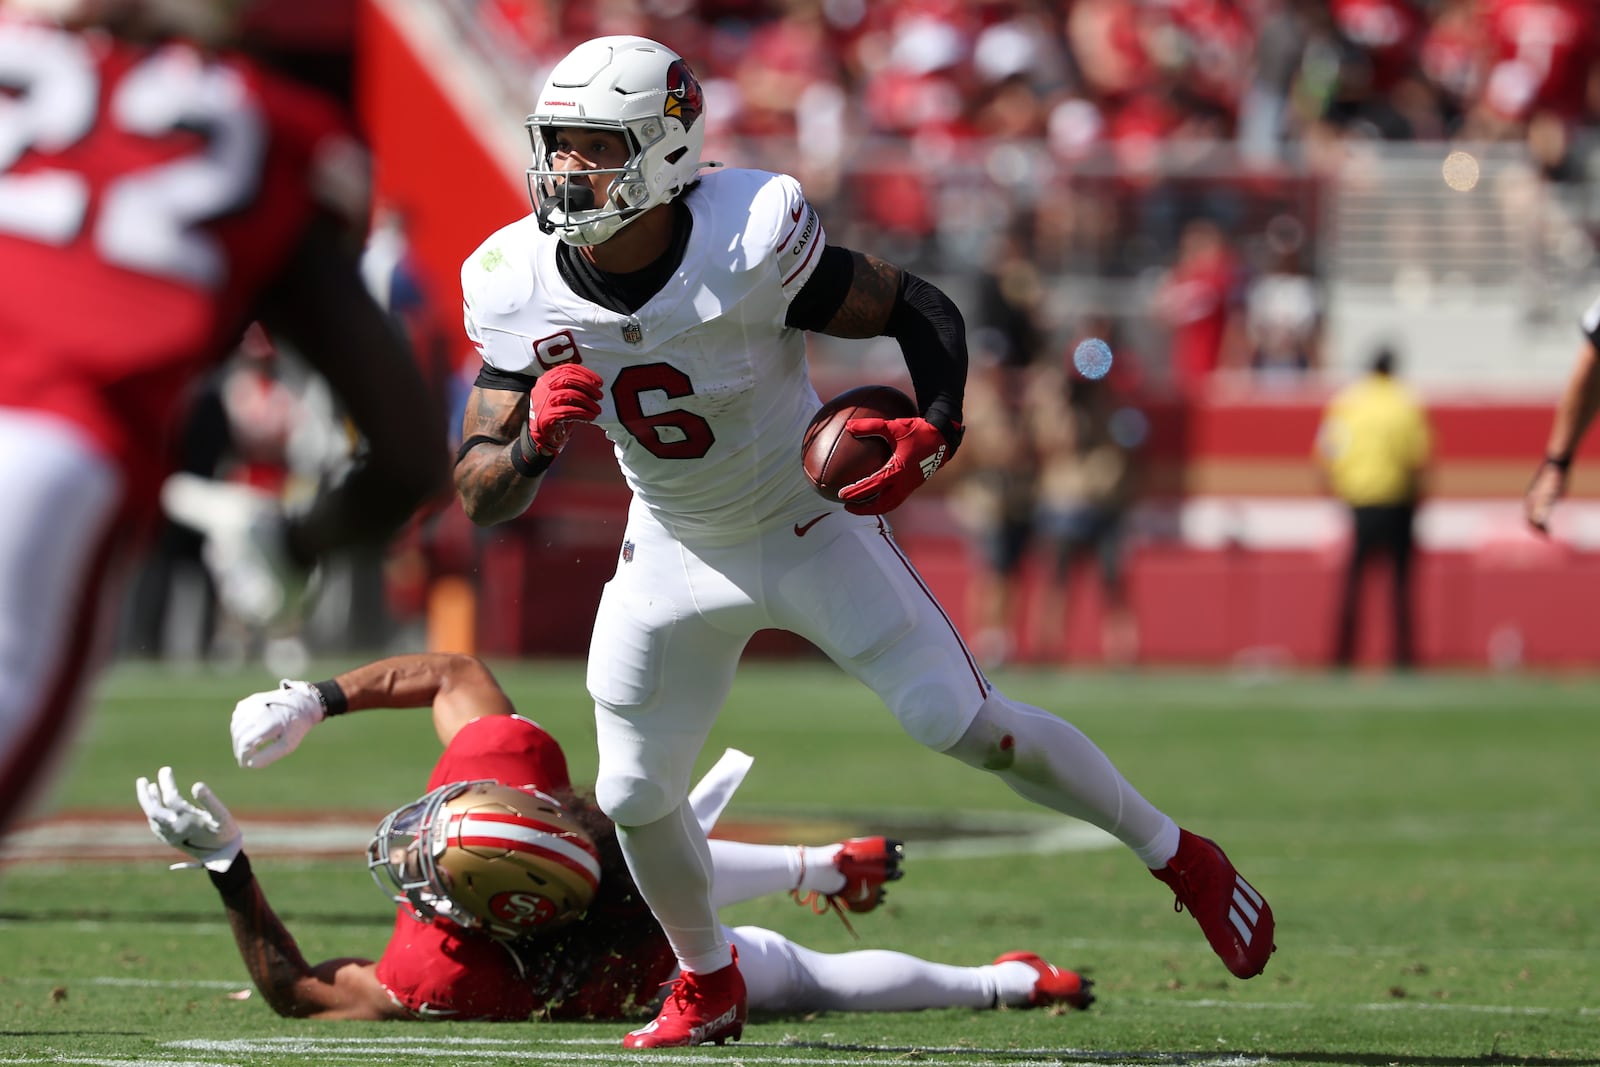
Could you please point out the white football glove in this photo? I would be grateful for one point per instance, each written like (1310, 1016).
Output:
(245, 548)
(204, 829)
(268, 726)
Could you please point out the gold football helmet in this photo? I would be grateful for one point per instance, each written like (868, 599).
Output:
(485, 856)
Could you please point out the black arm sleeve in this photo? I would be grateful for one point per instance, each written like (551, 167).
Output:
(926, 323)
(510, 381)
(821, 297)
(933, 338)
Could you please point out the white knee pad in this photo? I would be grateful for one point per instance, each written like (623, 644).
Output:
(641, 778)
(634, 800)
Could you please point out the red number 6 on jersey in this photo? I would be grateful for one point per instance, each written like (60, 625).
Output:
(671, 434)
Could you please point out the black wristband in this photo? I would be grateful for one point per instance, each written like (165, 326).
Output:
(1560, 463)
(331, 693)
(235, 878)
(473, 442)
(529, 468)
(938, 415)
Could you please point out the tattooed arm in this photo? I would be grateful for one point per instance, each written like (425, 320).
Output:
(333, 989)
(492, 489)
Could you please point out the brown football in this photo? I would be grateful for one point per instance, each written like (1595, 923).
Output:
(833, 458)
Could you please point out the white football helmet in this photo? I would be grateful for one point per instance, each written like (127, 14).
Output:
(626, 85)
(488, 857)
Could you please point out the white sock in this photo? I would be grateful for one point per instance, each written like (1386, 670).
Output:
(1051, 762)
(671, 865)
(1160, 848)
(1014, 982)
(744, 871)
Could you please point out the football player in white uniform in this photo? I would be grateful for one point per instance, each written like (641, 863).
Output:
(669, 307)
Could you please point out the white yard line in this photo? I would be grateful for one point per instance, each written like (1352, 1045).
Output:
(490, 1049)
(1209, 1004)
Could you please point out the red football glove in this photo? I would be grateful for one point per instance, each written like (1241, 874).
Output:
(919, 450)
(561, 397)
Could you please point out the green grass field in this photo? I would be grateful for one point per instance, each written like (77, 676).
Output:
(1430, 846)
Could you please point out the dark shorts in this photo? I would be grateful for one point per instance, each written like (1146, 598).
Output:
(1073, 533)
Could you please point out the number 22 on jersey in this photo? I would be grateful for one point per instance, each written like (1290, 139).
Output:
(146, 219)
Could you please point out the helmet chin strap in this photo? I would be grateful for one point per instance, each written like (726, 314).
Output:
(569, 198)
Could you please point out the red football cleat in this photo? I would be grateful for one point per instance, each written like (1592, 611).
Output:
(1054, 985)
(700, 1009)
(866, 863)
(1235, 918)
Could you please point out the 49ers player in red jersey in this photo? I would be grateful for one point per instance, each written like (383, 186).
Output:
(158, 193)
(514, 899)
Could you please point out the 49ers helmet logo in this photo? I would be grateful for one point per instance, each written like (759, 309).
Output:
(522, 908)
(684, 98)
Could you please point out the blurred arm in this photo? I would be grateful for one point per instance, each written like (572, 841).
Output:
(321, 306)
(1573, 415)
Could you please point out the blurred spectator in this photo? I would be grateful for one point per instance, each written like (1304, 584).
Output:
(1086, 436)
(172, 610)
(1283, 309)
(1386, 32)
(1356, 105)
(1373, 446)
(1199, 302)
(782, 58)
(1108, 47)
(1010, 300)
(1542, 57)
(265, 413)
(1453, 58)
(1286, 30)
(993, 496)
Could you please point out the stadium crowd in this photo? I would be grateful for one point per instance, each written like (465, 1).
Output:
(1074, 71)
(1048, 84)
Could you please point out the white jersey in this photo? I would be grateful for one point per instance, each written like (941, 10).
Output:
(707, 392)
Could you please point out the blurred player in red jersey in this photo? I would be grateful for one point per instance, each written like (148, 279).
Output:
(547, 922)
(157, 194)
(1543, 56)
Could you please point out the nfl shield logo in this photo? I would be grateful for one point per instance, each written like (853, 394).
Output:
(632, 331)
(627, 551)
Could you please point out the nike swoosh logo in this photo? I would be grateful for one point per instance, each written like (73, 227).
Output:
(802, 530)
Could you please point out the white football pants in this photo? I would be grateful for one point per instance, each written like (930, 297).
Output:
(671, 626)
(780, 975)
(57, 533)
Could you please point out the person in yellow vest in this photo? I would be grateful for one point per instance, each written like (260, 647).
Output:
(1373, 446)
